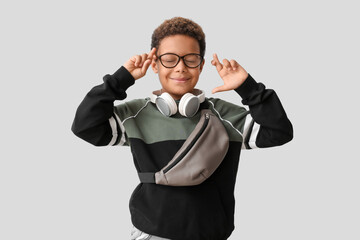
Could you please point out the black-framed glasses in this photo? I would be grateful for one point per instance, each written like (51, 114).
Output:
(170, 60)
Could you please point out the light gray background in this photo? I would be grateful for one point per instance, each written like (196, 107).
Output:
(56, 186)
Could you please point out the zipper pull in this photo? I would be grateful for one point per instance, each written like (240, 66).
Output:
(207, 116)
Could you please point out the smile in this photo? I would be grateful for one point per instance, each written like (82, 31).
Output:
(180, 79)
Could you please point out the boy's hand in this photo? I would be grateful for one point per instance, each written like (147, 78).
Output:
(230, 72)
(139, 64)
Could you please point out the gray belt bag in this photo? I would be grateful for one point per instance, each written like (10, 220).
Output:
(199, 156)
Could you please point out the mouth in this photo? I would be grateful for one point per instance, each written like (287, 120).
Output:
(179, 79)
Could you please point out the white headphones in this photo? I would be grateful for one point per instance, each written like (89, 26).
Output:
(188, 106)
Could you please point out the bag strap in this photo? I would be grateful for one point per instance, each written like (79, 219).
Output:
(147, 177)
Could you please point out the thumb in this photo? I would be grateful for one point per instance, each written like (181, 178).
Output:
(219, 89)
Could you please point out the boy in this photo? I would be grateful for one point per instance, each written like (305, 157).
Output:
(156, 128)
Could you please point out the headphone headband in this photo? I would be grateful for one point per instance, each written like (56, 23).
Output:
(197, 92)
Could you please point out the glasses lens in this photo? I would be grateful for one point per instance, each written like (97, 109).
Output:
(169, 60)
(192, 60)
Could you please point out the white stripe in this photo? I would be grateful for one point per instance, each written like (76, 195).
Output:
(227, 121)
(136, 234)
(248, 121)
(114, 131)
(254, 133)
(113, 125)
(247, 124)
(122, 140)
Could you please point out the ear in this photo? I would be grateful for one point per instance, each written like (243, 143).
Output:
(202, 65)
(154, 66)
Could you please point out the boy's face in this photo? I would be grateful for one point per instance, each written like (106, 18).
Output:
(181, 79)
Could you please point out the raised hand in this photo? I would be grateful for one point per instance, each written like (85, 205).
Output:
(232, 74)
(138, 65)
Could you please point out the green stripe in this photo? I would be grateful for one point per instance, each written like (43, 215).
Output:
(152, 126)
(233, 113)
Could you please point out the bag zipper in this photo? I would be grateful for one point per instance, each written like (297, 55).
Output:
(182, 155)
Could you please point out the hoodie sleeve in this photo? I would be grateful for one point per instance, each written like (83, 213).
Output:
(267, 124)
(95, 120)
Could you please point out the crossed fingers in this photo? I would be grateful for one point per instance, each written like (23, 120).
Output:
(139, 60)
(228, 65)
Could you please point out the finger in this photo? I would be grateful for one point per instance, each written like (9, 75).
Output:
(227, 64)
(146, 66)
(234, 64)
(218, 89)
(216, 62)
(152, 53)
(215, 56)
(216, 59)
(133, 59)
(137, 61)
(143, 58)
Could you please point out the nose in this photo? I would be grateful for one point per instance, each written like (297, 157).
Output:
(181, 67)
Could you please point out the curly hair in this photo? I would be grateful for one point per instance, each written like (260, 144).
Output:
(179, 25)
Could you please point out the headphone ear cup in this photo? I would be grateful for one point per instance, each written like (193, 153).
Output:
(166, 104)
(189, 105)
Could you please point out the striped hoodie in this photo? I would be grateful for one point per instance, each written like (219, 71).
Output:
(201, 212)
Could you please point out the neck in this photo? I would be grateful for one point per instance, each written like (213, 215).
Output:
(174, 96)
